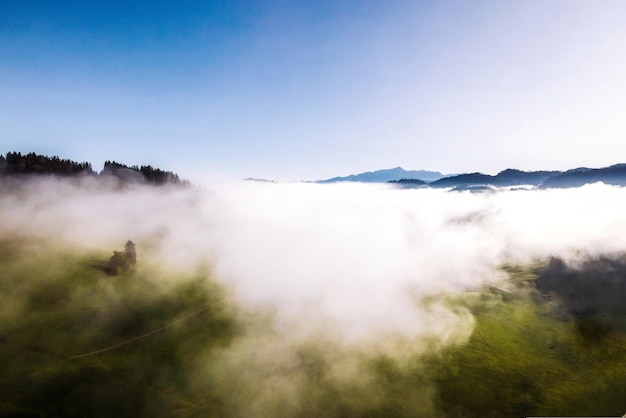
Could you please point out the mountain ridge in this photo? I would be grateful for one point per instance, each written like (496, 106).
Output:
(614, 175)
(385, 175)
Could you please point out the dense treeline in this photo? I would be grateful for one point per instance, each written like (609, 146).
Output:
(149, 173)
(14, 163)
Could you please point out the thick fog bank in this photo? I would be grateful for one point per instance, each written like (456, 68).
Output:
(357, 259)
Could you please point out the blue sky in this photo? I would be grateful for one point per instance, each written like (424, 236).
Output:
(293, 90)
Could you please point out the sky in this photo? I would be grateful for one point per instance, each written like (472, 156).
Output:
(301, 90)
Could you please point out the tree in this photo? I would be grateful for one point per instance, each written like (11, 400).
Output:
(121, 262)
(129, 253)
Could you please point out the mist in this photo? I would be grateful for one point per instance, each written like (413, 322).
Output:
(354, 255)
(324, 274)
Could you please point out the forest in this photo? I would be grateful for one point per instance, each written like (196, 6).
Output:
(16, 164)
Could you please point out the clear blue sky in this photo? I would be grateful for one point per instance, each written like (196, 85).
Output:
(294, 90)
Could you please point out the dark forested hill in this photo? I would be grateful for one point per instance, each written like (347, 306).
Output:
(409, 183)
(615, 174)
(16, 164)
(145, 173)
(508, 177)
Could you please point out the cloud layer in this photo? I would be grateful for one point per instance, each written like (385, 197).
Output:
(360, 259)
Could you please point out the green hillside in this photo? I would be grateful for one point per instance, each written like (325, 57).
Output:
(76, 341)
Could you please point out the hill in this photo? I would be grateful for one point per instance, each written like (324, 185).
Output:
(409, 183)
(508, 177)
(615, 174)
(14, 164)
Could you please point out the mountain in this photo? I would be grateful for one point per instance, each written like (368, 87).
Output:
(508, 177)
(512, 177)
(465, 180)
(382, 176)
(615, 174)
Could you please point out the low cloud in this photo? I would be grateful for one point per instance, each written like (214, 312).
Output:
(358, 258)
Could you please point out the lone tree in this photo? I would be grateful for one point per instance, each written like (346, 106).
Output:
(121, 262)
(129, 252)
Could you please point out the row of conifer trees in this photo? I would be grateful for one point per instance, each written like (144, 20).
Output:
(15, 163)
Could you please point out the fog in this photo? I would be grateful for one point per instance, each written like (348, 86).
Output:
(347, 266)
(354, 256)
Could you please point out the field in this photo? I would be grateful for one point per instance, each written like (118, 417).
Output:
(76, 341)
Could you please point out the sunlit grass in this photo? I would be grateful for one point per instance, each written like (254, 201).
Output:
(522, 359)
(75, 341)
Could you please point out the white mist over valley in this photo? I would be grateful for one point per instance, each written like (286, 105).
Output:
(354, 256)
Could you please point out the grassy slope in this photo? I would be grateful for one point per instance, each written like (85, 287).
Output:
(76, 342)
(524, 358)
(521, 360)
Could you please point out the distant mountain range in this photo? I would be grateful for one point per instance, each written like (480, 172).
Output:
(382, 176)
(615, 175)
(508, 177)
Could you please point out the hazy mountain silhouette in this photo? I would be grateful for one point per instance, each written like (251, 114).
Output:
(615, 174)
(382, 176)
(508, 177)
